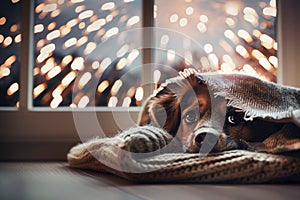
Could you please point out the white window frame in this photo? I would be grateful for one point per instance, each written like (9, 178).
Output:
(29, 133)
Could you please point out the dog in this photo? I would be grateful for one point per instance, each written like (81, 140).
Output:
(200, 121)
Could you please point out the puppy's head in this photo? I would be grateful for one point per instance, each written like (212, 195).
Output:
(185, 107)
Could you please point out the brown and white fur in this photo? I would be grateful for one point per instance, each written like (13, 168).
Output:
(185, 108)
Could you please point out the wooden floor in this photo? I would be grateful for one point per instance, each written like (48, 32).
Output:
(55, 181)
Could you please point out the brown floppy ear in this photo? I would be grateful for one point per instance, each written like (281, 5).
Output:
(162, 110)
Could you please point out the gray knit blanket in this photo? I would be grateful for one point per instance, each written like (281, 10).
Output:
(139, 153)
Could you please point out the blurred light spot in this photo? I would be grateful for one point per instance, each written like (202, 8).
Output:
(7, 41)
(242, 51)
(173, 18)
(50, 7)
(83, 102)
(257, 54)
(203, 18)
(86, 77)
(183, 22)
(81, 25)
(112, 101)
(96, 25)
(132, 56)
(58, 91)
(274, 61)
(164, 39)
(53, 72)
(267, 41)
(245, 35)
(189, 11)
(131, 91)
(133, 20)
(251, 16)
(231, 10)
(273, 3)
(208, 48)
(95, 65)
(36, 71)
(229, 60)
(275, 45)
(116, 87)
(201, 27)
(126, 102)
(82, 40)
(104, 64)
(86, 14)
(102, 86)
(39, 89)
(139, 94)
(121, 64)
(77, 63)
(109, 18)
(66, 60)
(39, 8)
(13, 89)
(79, 9)
(227, 68)
(56, 101)
(4, 71)
(108, 6)
(230, 35)
(248, 69)
(123, 50)
(17, 38)
(15, 1)
(48, 48)
(70, 42)
(205, 63)
(127, 1)
(55, 13)
(51, 26)
(14, 28)
(256, 33)
(76, 1)
(10, 60)
(265, 63)
(90, 47)
(68, 78)
(230, 22)
(213, 59)
(52, 35)
(111, 32)
(270, 11)
(1, 38)
(171, 55)
(72, 22)
(156, 76)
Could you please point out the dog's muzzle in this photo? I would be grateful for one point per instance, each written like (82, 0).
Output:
(202, 140)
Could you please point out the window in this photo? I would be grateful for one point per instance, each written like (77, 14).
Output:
(10, 38)
(80, 44)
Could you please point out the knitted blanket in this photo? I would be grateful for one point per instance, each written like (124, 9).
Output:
(145, 154)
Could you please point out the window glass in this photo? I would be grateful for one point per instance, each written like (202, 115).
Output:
(10, 38)
(83, 51)
(216, 35)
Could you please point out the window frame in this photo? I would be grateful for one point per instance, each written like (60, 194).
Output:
(28, 133)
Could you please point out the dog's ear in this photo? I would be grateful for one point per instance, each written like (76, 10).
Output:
(162, 110)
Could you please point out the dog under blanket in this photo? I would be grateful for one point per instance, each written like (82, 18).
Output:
(205, 128)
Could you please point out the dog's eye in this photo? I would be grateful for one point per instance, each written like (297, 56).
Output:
(191, 117)
(234, 118)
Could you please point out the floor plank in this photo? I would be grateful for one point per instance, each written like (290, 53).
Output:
(47, 181)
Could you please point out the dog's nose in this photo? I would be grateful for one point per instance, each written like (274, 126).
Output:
(207, 136)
